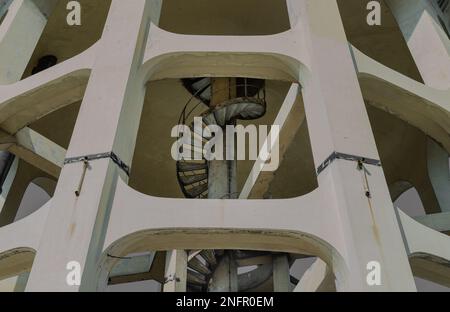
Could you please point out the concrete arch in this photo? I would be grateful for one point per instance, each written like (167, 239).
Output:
(38, 192)
(431, 267)
(169, 55)
(398, 188)
(28, 100)
(19, 243)
(168, 224)
(25, 175)
(16, 261)
(422, 106)
(294, 242)
(429, 261)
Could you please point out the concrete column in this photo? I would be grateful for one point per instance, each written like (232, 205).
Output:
(108, 122)
(175, 275)
(14, 284)
(338, 122)
(281, 275)
(427, 40)
(225, 278)
(222, 173)
(21, 282)
(19, 33)
(439, 173)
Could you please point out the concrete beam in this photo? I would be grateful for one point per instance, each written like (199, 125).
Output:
(289, 119)
(36, 150)
(40, 145)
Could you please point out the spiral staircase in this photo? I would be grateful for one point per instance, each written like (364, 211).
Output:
(246, 102)
(249, 104)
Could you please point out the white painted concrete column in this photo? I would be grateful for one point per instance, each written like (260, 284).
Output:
(338, 122)
(108, 122)
(175, 275)
(427, 40)
(281, 275)
(19, 33)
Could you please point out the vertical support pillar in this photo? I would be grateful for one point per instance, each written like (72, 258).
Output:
(109, 117)
(427, 40)
(19, 33)
(175, 276)
(222, 173)
(281, 275)
(225, 277)
(338, 122)
(21, 282)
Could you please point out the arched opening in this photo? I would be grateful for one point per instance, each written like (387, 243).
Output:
(254, 271)
(403, 150)
(64, 41)
(35, 35)
(36, 195)
(15, 266)
(384, 43)
(258, 261)
(171, 102)
(32, 177)
(232, 17)
(410, 203)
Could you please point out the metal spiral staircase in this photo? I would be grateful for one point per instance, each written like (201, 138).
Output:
(249, 104)
(247, 101)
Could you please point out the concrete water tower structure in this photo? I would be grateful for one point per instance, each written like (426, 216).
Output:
(86, 113)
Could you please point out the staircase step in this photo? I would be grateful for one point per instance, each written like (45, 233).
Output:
(210, 120)
(198, 135)
(231, 111)
(206, 94)
(221, 116)
(191, 166)
(210, 257)
(193, 178)
(197, 190)
(196, 278)
(193, 148)
(197, 265)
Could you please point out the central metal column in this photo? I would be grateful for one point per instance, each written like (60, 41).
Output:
(222, 185)
(222, 173)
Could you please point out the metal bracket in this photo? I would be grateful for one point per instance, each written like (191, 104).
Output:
(110, 155)
(337, 155)
(171, 278)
